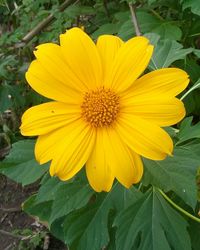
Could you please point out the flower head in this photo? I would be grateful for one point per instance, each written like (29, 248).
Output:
(104, 115)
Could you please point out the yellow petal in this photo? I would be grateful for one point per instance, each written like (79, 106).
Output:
(68, 147)
(48, 144)
(161, 111)
(97, 168)
(143, 137)
(129, 63)
(108, 47)
(126, 166)
(166, 82)
(138, 166)
(73, 155)
(45, 81)
(82, 57)
(112, 158)
(43, 118)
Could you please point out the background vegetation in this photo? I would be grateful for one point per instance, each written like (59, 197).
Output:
(138, 218)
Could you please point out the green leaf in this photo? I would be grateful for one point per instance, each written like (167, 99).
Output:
(191, 67)
(195, 86)
(150, 24)
(10, 97)
(42, 210)
(197, 52)
(193, 5)
(166, 52)
(20, 165)
(56, 229)
(5, 98)
(153, 38)
(87, 228)
(192, 103)
(108, 28)
(68, 197)
(177, 173)
(48, 189)
(187, 131)
(74, 11)
(151, 223)
(194, 230)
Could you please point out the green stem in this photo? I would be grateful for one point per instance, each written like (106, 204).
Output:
(190, 90)
(140, 185)
(156, 14)
(178, 208)
(196, 34)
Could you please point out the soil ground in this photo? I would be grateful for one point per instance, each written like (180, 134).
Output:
(12, 195)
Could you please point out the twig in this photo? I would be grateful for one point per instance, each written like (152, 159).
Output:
(11, 210)
(3, 217)
(46, 242)
(9, 247)
(10, 234)
(17, 236)
(44, 23)
(156, 14)
(134, 19)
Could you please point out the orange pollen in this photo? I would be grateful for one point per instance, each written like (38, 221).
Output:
(100, 107)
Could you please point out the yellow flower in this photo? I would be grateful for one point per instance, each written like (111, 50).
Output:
(103, 116)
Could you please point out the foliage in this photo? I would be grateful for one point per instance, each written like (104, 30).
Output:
(135, 218)
(30, 239)
(20, 165)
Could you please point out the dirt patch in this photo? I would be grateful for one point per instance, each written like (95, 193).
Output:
(18, 231)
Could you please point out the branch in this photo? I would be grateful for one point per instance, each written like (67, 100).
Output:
(134, 19)
(44, 23)
(11, 210)
(10, 234)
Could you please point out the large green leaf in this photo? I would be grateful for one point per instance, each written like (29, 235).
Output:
(151, 223)
(56, 229)
(149, 23)
(20, 165)
(193, 5)
(166, 52)
(68, 197)
(194, 231)
(42, 210)
(88, 227)
(187, 131)
(48, 189)
(176, 173)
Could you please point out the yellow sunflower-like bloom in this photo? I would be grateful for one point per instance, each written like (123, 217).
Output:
(103, 116)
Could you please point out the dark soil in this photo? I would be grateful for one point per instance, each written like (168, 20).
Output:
(12, 195)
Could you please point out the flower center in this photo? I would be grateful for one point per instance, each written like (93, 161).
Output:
(100, 107)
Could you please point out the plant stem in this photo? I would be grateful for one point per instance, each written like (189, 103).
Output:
(134, 19)
(190, 90)
(11, 210)
(10, 234)
(156, 14)
(179, 208)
